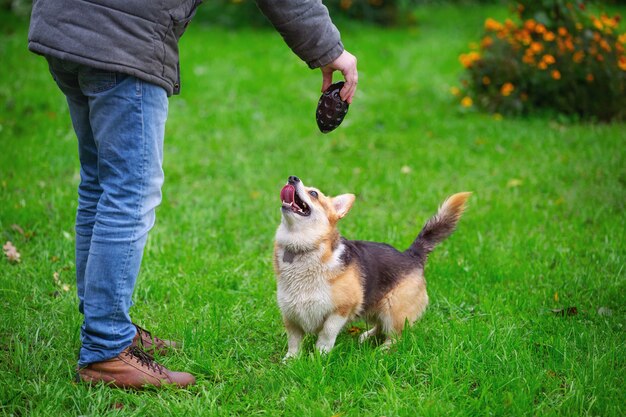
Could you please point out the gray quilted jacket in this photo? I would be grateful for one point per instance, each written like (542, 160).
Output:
(140, 37)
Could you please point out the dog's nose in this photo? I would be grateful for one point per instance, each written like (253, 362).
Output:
(293, 179)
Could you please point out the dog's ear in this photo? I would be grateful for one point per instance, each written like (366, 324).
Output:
(343, 203)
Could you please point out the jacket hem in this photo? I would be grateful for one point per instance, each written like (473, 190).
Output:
(40, 49)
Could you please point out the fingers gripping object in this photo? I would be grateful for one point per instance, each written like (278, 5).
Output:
(331, 109)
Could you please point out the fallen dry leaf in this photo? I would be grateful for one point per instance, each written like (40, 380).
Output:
(18, 229)
(406, 169)
(514, 182)
(354, 330)
(556, 296)
(569, 311)
(11, 252)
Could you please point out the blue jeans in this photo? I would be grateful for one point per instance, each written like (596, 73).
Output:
(119, 121)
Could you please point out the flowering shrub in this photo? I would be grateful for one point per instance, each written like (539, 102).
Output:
(559, 56)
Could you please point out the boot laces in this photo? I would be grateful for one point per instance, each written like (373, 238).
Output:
(141, 331)
(144, 359)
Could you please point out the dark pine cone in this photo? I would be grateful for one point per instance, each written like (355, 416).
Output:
(331, 109)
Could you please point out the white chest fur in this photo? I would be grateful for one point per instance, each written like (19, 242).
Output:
(304, 293)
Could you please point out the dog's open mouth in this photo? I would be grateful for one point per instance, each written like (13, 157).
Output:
(292, 202)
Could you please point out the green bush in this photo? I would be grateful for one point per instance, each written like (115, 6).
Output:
(557, 56)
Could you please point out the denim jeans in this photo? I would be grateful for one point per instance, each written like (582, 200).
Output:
(119, 121)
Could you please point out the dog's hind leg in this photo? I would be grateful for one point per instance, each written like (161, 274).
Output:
(371, 332)
(332, 326)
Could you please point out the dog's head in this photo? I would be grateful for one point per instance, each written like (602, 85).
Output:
(307, 214)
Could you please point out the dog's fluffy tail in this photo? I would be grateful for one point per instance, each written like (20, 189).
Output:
(439, 227)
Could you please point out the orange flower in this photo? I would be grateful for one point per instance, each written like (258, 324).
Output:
(609, 22)
(562, 31)
(486, 42)
(467, 102)
(622, 38)
(530, 24)
(578, 57)
(589, 78)
(528, 58)
(600, 58)
(467, 60)
(621, 63)
(540, 28)
(556, 74)
(523, 36)
(605, 45)
(597, 23)
(493, 25)
(486, 80)
(345, 4)
(536, 47)
(542, 65)
(507, 89)
(455, 91)
(548, 59)
(548, 36)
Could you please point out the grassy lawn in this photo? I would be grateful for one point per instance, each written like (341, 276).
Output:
(545, 231)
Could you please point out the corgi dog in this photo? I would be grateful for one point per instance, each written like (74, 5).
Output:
(325, 280)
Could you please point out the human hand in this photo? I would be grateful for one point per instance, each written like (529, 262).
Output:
(346, 63)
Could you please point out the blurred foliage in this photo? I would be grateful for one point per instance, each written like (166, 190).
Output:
(556, 55)
(235, 13)
(18, 7)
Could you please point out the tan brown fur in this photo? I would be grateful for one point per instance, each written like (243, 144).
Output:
(347, 292)
(456, 204)
(330, 242)
(405, 303)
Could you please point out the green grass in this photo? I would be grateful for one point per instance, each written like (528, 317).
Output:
(546, 218)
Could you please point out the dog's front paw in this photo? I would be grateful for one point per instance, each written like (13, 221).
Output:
(324, 349)
(289, 355)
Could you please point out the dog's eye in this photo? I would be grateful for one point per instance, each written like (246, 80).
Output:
(313, 194)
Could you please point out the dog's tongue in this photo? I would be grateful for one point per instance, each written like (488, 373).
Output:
(287, 194)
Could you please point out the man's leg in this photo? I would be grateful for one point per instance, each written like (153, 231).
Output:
(119, 121)
(89, 190)
(127, 118)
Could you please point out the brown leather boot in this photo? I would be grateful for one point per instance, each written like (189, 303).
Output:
(133, 368)
(151, 344)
